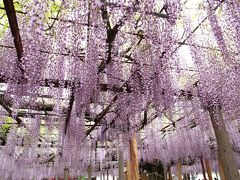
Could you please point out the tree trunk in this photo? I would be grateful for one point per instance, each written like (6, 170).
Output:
(226, 156)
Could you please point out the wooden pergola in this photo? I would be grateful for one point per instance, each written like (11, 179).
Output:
(70, 85)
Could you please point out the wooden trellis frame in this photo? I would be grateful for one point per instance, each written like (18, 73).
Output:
(12, 18)
(11, 13)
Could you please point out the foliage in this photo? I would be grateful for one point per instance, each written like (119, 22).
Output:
(4, 129)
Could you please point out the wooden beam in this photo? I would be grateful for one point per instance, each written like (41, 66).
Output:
(38, 106)
(56, 83)
(12, 19)
(81, 56)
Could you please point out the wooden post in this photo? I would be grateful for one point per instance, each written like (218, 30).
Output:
(209, 171)
(120, 166)
(134, 158)
(89, 170)
(107, 175)
(103, 175)
(216, 174)
(221, 173)
(203, 169)
(170, 173)
(165, 172)
(66, 173)
(147, 176)
(185, 177)
(226, 156)
(144, 176)
(179, 170)
(128, 171)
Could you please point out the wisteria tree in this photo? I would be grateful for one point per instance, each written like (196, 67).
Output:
(82, 78)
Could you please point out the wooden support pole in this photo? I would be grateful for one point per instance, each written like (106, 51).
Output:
(203, 169)
(169, 173)
(165, 172)
(144, 176)
(221, 173)
(89, 170)
(104, 178)
(107, 175)
(226, 156)
(134, 158)
(120, 166)
(66, 173)
(209, 170)
(179, 170)
(185, 177)
(128, 173)
(216, 174)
